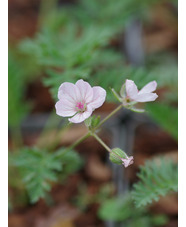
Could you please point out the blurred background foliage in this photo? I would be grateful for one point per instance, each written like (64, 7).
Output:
(122, 210)
(87, 40)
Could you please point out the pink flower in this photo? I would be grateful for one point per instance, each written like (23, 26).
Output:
(144, 95)
(127, 161)
(79, 100)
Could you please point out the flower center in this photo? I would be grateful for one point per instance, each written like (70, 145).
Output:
(80, 106)
(127, 99)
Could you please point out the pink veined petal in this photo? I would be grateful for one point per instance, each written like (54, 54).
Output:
(150, 87)
(80, 117)
(146, 97)
(64, 108)
(85, 90)
(131, 89)
(70, 91)
(99, 95)
(128, 161)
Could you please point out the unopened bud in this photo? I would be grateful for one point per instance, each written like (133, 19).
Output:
(116, 156)
(119, 157)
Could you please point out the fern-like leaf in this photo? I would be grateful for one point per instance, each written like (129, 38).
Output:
(122, 209)
(39, 168)
(157, 178)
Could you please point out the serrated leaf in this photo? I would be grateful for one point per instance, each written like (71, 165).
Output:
(156, 178)
(37, 168)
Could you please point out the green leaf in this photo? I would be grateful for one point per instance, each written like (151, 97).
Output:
(71, 162)
(122, 209)
(116, 209)
(166, 116)
(156, 178)
(39, 168)
(17, 108)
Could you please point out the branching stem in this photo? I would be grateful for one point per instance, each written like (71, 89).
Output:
(101, 142)
(92, 133)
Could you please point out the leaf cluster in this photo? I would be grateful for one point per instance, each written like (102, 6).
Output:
(75, 42)
(121, 209)
(39, 169)
(166, 116)
(157, 178)
(17, 108)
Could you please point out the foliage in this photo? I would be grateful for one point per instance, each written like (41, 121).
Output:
(75, 42)
(17, 108)
(21, 71)
(107, 12)
(156, 178)
(71, 162)
(85, 198)
(71, 44)
(166, 116)
(122, 209)
(39, 168)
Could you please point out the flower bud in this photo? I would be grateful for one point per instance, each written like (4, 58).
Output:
(117, 155)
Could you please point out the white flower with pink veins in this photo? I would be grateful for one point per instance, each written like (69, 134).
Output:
(79, 100)
(144, 95)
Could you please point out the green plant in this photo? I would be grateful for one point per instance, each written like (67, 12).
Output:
(81, 42)
(121, 209)
(156, 178)
(166, 116)
(17, 108)
(39, 168)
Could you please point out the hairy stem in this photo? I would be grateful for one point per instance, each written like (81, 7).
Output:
(91, 133)
(101, 142)
(77, 142)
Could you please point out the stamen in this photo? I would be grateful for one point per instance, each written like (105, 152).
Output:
(80, 106)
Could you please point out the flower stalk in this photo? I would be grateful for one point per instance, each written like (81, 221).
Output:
(101, 142)
(77, 142)
(109, 116)
(92, 132)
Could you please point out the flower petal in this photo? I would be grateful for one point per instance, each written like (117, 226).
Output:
(128, 161)
(150, 87)
(64, 108)
(80, 117)
(70, 91)
(99, 95)
(146, 97)
(131, 89)
(85, 91)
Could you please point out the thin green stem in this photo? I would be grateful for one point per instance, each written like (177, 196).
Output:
(91, 133)
(77, 142)
(101, 142)
(110, 115)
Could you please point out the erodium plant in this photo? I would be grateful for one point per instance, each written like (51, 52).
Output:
(79, 100)
(39, 166)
